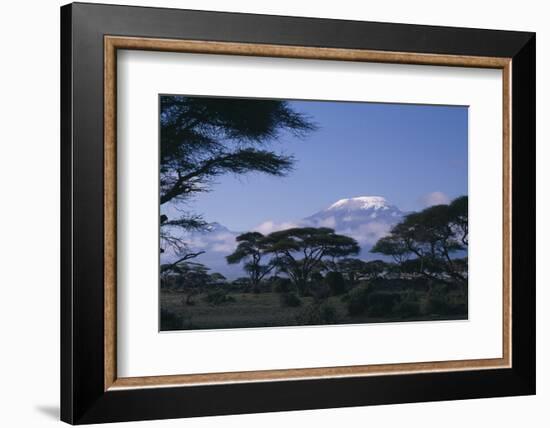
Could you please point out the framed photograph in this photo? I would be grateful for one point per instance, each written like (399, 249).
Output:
(266, 213)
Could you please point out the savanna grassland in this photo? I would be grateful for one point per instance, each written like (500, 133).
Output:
(366, 303)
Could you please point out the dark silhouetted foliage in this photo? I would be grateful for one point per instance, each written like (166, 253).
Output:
(282, 285)
(316, 314)
(168, 320)
(381, 304)
(217, 297)
(357, 300)
(426, 243)
(407, 309)
(202, 138)
(290, 300)
(299, 252)
(251, 249)
(336, 283)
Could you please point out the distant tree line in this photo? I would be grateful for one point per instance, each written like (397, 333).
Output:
(429, 246)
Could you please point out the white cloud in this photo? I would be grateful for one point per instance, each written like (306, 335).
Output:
(223, 242)
(327, 222)
(434, 198)
(369, 233)
(270, 226)
(196, 242)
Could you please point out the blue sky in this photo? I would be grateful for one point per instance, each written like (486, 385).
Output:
(410, 154)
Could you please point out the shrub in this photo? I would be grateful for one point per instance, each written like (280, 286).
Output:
(241, 284)
(407, 309)
(168, 320)
(218, 297)
(437, 305)
(282, 285)
(336, 283)
(290, 300)
(264, 287)
(344, 298)
(459, 309)
(316, 277)
(328, 313)
(381, 304)
(319, 291)
(325, 313)
(357, 300)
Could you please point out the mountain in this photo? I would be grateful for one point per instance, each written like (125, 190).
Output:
(364, 218)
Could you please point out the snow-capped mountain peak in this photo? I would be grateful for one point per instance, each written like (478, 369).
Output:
(361, 202)
(364, 218)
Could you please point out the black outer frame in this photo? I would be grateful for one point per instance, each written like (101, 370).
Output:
(83, 399)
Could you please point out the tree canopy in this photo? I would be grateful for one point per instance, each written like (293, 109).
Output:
(298, 252)
(251, 248)
(203, 138)
(429, 242)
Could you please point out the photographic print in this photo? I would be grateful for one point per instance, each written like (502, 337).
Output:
(277, 213)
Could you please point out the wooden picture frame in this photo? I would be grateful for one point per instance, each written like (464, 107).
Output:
(91, 390)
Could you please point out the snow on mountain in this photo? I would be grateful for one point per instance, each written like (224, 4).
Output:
(364, 218)
(360, 202)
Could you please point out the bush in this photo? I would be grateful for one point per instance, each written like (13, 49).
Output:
(328, 313)
(282, 285)
(437, 305)
(168, 320)
(336, 283)
(407, 309)
(264, 287)
(357, 300)
(241, 284)
(459, 309)
(319, 291)
(218, 297)
(325, 313)
(381, 304)
(290, 300)
(316, 277)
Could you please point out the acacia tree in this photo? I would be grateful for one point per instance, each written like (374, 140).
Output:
(189, 277)
(425, 243)
(251, 248)
(203, 138)
(298, 252)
